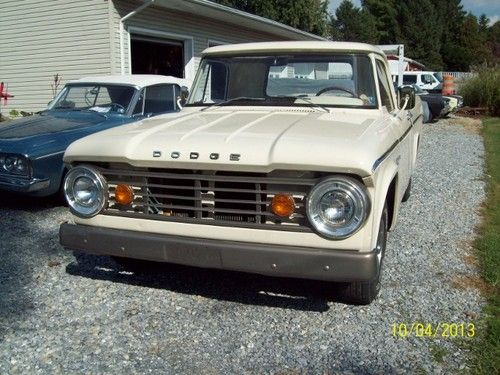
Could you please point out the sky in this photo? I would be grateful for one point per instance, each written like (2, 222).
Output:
(489, 7)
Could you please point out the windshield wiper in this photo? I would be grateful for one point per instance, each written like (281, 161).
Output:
(248, 98)
(305, 99)
(308, 100)
(88, 110)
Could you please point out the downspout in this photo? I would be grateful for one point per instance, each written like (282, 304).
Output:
(122, 29)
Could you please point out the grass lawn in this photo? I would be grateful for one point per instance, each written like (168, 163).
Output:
(487, 359)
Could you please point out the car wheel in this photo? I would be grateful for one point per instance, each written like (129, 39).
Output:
(407, 193)
(59, 196)
(364, 292)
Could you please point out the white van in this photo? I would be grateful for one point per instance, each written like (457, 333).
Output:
(425, 80)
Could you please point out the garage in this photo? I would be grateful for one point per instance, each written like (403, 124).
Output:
(150, 55)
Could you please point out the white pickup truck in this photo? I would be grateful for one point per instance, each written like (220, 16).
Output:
(289, 159)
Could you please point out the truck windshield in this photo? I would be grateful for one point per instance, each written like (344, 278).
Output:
(299, 80)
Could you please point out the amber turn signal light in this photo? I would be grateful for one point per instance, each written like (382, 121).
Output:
(283, 205)
(124, 194)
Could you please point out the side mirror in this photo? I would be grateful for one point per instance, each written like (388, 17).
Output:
(404, 93)
(184, 94)
(182, 98)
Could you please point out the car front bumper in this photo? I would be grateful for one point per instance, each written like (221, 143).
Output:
(266, 259)
(446, 109)
(22, 185)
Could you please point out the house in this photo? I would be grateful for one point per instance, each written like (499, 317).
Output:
(75, 38)
(408, 64)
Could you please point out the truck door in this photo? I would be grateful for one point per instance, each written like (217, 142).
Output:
(429, 82)
(404, 121)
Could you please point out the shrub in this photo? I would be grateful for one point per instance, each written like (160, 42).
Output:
(483, 90)
(14, 113)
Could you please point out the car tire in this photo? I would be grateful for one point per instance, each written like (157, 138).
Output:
(407, 193)
(364, 292)
(59, 196)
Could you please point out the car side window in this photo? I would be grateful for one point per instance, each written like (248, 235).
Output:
(160, 99)
(409, 79)
(427, 78)
(385, 90)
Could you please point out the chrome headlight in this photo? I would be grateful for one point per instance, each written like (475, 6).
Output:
(337, 207)
(86, 191)
(14, 164)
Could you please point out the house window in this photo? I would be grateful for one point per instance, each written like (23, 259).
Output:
(151, 55)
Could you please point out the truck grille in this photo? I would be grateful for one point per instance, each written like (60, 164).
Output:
(210, 197)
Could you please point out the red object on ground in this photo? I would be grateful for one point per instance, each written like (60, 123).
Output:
(4, 94)
(448, 85)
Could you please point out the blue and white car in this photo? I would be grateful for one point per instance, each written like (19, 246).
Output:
(32, 148)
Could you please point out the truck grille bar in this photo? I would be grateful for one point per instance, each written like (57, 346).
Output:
(209, 197)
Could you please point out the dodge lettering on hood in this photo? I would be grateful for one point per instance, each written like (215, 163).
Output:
(289, 159)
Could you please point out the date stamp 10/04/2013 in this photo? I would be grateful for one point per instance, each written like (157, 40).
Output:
(437, 330)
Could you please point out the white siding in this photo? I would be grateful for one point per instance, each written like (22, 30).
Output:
(40, 38)
(199, 28)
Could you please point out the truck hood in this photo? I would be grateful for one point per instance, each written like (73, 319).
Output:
(257, 140)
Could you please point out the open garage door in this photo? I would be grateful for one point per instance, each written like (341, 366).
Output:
(152, 55)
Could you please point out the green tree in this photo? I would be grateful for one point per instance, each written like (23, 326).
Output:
(474, 42)
(451, 17)
(385, 13)
(494, 32)
(306, 15)
(420, 32)
(494, 41)
(353, 24)
(465, 38)
(483, 23)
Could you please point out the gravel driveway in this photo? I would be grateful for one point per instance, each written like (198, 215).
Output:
(74, 313)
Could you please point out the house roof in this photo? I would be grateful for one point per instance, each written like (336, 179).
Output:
(305, 46)
(408, 60)
(226, 14)
(140, 80)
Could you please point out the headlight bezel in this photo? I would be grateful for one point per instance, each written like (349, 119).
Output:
(352, 188)
(90, 173)
(16, 160)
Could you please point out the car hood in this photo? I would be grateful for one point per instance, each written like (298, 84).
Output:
(47, 123)
(259, 140)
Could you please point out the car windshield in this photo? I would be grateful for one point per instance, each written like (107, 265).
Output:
(418, 89)
(98, 98)
(311, 80)
(438, 76)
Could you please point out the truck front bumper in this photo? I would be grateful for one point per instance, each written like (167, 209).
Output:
(265, 259)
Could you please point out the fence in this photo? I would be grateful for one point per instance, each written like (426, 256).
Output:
(459, 75)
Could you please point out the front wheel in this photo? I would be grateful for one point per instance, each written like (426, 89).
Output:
(407, 193)
(364, 292)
